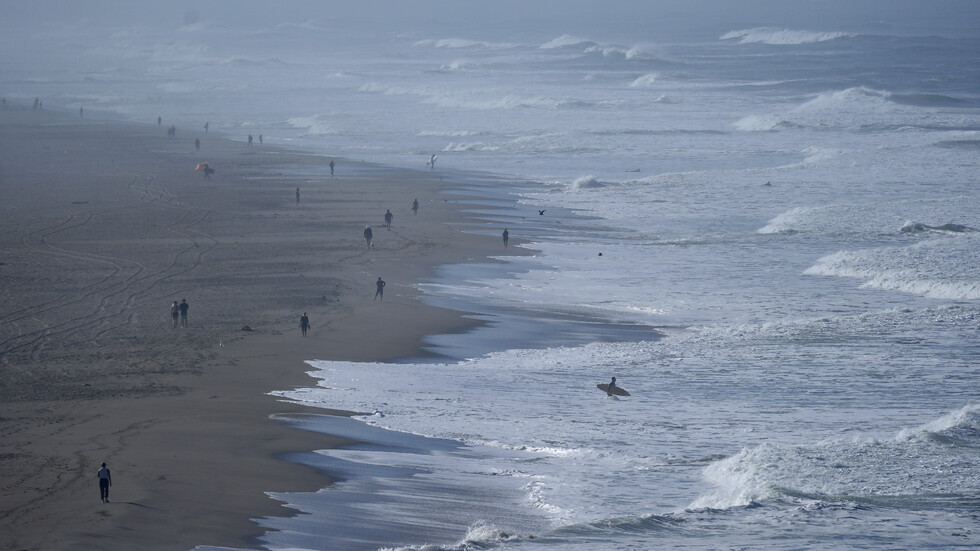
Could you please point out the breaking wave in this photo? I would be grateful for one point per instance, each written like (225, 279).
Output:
(564, 41)
(463, 43)
(645, 80)
(942, 268)
(940, 453)
(586, 182)
(774, 36)
(851, 107)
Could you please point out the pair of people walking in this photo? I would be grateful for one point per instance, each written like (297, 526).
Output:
(179, 311)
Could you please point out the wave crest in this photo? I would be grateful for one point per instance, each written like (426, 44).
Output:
(774, 36)
(587, 182)
(941, 268)
(463, 43)
(565, 41)
(918, 227)
(859, 470)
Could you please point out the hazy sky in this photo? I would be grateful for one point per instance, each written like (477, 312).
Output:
(448, 17)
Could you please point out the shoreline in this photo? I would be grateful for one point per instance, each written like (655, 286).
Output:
(116, 227)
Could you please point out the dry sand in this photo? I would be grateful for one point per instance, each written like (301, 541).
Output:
(104, 225)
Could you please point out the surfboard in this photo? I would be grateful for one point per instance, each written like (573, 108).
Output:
(616, 390)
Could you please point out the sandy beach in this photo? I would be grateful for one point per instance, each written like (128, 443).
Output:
(104, 225)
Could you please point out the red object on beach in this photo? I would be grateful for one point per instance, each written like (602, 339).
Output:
(201, 167)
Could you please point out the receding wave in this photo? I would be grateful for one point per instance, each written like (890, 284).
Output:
(774, 36)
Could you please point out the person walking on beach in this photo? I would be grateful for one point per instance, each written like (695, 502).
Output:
(432, 162)
(175, 312)
(368, 235)
(183, 312)
(297, 196)
(249, 141)
(260, 138)
(380, 284)
(304, 323)
(506, 236)
(197, 144)
(159, 121)
(415, 206)
(388, 217)
(206, 126)
(81, 112)
(105, 480)
(331, 168)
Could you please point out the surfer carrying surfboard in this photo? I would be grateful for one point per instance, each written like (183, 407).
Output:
(611, 387)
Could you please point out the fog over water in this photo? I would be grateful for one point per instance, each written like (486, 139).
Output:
(784, 196)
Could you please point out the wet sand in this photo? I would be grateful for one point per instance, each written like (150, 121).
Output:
(104, 225)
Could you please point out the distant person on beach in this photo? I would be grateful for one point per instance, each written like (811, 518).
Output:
(159, 121)
(37, 103)
(105, 480)
(388, 217)
(175, 312)
(415, 206)
(197, 144)
(380, 284)
(297, 196)
(206, 126)
(506, 236)
(183, 312)
(432, 162)
(331, 167)
(260, 138)
(250, 140)
(368, 235)
(81, 112)
(304, 323)
(612, 385)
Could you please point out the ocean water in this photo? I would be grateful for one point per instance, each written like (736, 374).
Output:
(763, 220)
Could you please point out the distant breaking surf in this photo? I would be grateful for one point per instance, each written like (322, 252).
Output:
(770, 35)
